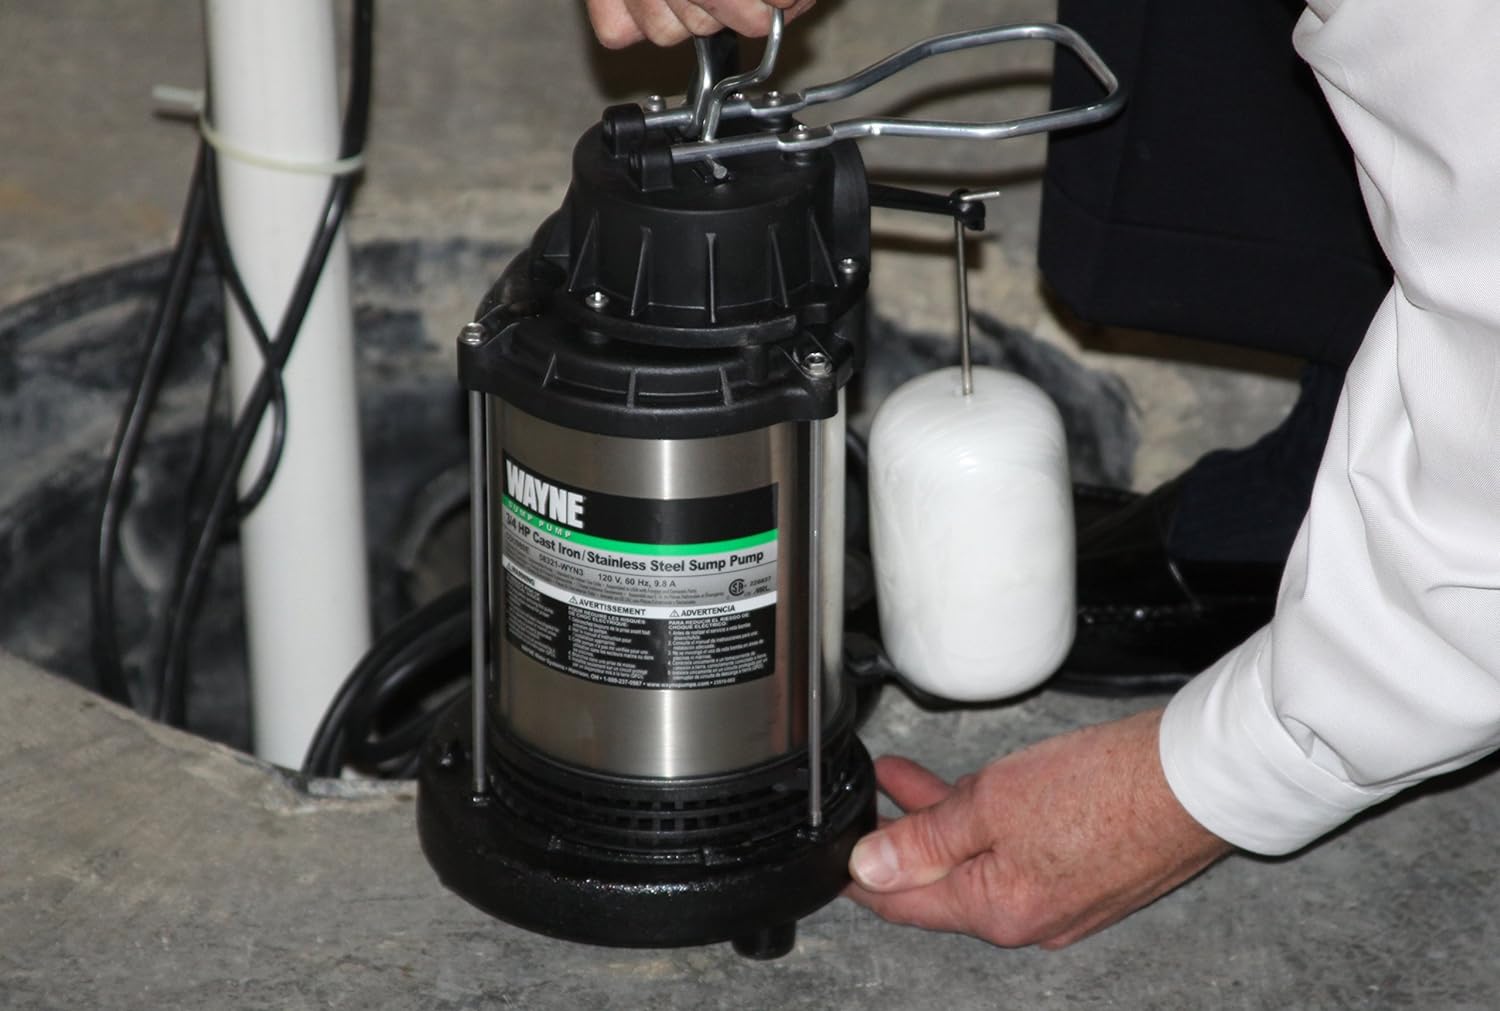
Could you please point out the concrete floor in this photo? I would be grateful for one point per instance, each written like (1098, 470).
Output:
(140, 867)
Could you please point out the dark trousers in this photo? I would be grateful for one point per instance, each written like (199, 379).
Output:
(1222, 204)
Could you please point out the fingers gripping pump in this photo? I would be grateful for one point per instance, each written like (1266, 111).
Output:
(659, 747)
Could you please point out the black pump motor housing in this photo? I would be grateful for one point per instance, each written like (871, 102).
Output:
(660, 750)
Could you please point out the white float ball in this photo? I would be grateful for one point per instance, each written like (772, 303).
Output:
(971, 525)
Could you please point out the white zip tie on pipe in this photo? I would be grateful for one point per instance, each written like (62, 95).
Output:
(190, 102)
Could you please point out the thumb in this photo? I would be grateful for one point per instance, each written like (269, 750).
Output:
(919, 848)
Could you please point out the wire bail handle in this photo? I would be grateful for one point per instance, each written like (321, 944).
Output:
(707, 95)
(710, 103)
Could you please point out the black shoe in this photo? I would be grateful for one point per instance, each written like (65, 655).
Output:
(1095, 502)
(1148, 622)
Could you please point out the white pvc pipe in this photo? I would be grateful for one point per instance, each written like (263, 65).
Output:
(273, 68)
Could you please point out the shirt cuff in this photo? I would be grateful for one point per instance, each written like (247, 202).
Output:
(1232, 764)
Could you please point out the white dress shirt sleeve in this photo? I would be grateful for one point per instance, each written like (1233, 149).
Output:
(1381, 667)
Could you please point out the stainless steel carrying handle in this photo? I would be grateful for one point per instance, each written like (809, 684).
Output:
(708, 96)
(802, 138)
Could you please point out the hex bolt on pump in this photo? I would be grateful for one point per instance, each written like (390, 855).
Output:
(659, 748)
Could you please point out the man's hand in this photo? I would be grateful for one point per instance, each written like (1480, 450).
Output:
(621, 23)
(1044, 846)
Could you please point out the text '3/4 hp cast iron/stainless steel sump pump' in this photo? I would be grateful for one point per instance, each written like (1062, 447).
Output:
(660, 748)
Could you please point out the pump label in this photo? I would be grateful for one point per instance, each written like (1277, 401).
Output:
(640, 593)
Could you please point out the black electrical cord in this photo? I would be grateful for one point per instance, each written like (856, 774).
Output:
(129, 436)
(390, 722)
(202, 215)
(191, 511)
(171, 697)
(379, 717)
(204, 542)
(230, 275)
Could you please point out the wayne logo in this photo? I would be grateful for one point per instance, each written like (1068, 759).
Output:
(546, 500)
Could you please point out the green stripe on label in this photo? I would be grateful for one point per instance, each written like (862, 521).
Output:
(632, 547)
